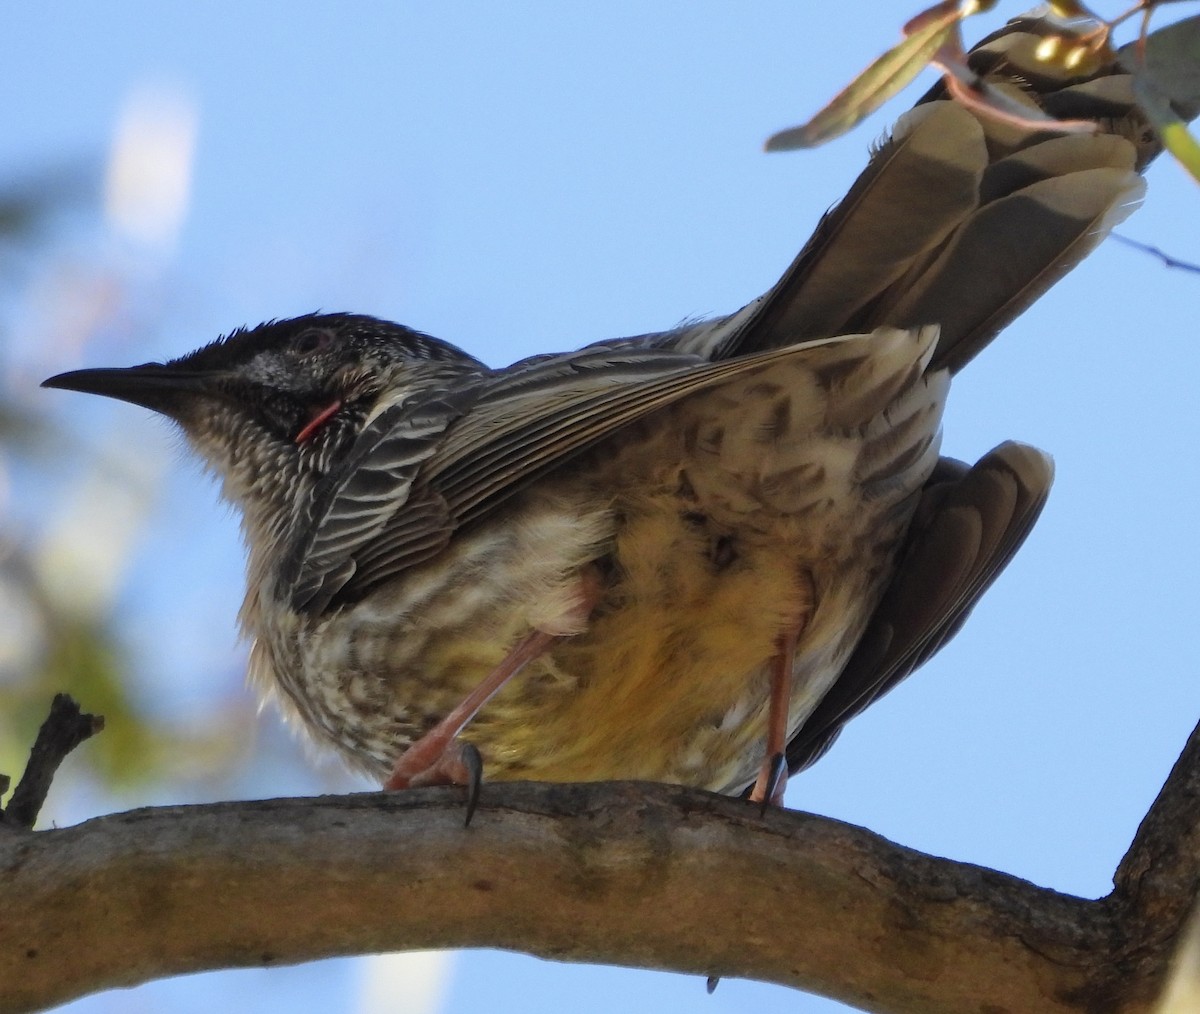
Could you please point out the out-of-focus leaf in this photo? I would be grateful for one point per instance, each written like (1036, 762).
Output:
(22, 430)
(1172, 61)
(26, 207)
(82, 659)
(52, 640)
(1176, 137)
(1069, 9)
(82, 656)
(924, 36)
(1167, 85)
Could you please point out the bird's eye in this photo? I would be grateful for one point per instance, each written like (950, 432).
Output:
(314, 339)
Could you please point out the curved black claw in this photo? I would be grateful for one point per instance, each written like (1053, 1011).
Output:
(776, 780)
(472, 760)
(711, 984)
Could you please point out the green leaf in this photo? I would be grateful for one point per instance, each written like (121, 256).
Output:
(925, 35)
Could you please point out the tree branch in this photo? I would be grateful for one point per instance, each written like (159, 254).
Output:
(624, 873)
(63, 730)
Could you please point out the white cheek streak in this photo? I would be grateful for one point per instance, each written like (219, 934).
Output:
(392, 396)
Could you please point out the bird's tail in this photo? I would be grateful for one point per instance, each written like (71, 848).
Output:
(963, 220)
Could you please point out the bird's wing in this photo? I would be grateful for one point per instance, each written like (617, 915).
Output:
(352, 508)
(968, 525)
(960, 220)
(415, 475)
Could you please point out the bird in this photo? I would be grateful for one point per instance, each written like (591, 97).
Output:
(689, 556)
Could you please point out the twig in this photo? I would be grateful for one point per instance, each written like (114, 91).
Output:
(64, 729)
(1166, 258)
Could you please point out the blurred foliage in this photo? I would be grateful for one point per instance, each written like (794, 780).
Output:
(82, 656)
(28, 210)
(47, 645)
(1164, 66)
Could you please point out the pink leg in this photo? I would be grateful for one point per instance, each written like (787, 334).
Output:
(772, 778)
(438, 757)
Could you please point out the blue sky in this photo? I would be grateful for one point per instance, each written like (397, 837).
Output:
(530, 177)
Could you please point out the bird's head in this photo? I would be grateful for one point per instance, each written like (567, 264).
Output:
(271, 409)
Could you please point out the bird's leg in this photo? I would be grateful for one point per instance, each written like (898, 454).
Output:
(439, 757)
(772, 778)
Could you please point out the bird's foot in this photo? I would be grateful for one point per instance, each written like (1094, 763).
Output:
(440, 757)
(439, 760)
(772, 780)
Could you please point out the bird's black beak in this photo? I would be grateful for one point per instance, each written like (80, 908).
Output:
(164, 389)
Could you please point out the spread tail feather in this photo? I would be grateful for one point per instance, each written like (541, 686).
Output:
(969, 524)
(962, 221)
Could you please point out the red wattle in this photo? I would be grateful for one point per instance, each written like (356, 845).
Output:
(317, 421)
